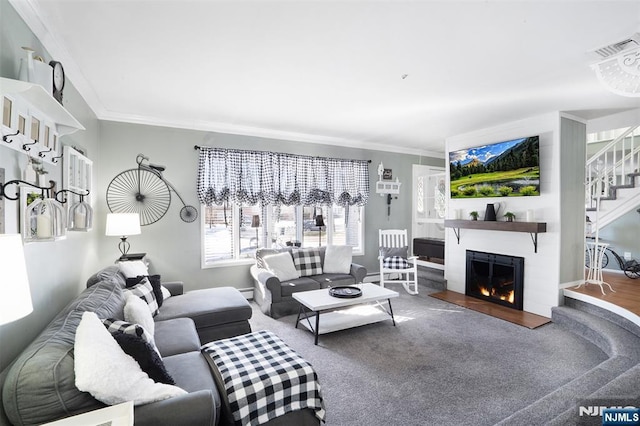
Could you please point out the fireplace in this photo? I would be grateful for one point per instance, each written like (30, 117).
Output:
(496, 278)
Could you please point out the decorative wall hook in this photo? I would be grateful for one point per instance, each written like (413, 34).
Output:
(26, 146)
(56, 158)
(3, 192)
(5, 138)
(62, 198)
(41, 154)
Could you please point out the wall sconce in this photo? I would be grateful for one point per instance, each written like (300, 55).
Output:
(45, 217)
(45, 220)
(16, 303)
(122, 225)
(80, 217)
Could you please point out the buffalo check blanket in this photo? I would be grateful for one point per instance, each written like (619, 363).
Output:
(264, 378)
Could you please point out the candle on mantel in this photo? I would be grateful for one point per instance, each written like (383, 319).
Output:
(43, 226)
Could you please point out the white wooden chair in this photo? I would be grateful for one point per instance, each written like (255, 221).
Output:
(408, 277)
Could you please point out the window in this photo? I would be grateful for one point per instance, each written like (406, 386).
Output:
(241, 177)
(229, 238)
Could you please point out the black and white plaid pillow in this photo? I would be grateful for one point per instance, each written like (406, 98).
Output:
(307, 261)
(144, 290)
(395, 262)
(118, 326)
(156, 284)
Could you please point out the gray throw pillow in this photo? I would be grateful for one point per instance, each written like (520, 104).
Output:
(261, 253)
(387, 252)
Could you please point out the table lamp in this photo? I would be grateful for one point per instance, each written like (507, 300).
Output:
(122, 225)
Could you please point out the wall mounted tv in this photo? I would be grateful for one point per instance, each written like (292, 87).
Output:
(503, 169)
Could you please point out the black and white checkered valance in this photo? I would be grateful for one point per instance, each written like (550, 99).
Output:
(272, 178)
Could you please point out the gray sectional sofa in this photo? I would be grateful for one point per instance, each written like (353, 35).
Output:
(275, 296)
(40, 386)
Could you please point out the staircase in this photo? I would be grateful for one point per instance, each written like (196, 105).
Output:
(613, 173)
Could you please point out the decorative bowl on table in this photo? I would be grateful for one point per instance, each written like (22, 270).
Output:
(345, 291)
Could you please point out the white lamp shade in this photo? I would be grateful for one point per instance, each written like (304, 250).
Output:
(14, 282)
(123, 224)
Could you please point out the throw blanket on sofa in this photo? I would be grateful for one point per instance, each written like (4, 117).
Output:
(264, 378)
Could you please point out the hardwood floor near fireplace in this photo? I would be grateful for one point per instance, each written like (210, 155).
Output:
(525, 319)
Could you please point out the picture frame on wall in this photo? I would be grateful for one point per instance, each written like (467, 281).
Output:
(34, 134)
(47, 136)
(22, 124)
(387, 174)
(27, 225)
(7, 111)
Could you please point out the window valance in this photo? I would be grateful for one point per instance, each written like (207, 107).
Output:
(252, 177)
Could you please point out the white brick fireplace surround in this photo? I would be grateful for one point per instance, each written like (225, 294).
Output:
(559, 258)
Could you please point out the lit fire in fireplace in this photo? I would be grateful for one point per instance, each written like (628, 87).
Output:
(507, 297)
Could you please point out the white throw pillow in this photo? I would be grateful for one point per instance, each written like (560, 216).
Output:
(281, 265)
(165, 292)
(337, 260)
(136, 311)
(133, 268)
(107, 373)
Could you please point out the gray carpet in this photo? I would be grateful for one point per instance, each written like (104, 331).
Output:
(442, 364)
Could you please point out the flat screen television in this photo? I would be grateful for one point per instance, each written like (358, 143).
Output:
(502, 169)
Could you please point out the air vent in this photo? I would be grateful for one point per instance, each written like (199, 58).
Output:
(615, 48)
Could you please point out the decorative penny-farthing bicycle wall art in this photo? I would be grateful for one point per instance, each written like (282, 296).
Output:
(145, 191)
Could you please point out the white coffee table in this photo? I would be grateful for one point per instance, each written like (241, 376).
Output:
(342, 313)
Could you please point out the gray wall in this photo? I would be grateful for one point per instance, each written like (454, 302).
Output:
(572, 214)
(624, 236)
(57, 271)
(173, 246)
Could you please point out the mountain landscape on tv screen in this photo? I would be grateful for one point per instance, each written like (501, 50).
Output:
(504, 169)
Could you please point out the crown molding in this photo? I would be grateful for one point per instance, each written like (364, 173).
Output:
(260, 132)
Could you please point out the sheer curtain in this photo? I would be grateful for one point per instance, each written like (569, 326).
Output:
(271, 178)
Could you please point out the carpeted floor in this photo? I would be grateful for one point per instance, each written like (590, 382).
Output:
(442, 364)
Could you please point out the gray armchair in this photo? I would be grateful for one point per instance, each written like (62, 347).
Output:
(275, 297)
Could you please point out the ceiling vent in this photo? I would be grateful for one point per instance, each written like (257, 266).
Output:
(618, 66)
(615, 48)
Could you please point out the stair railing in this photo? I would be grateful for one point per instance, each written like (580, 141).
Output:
(611, 164)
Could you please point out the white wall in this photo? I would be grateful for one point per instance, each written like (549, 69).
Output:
(542, 269)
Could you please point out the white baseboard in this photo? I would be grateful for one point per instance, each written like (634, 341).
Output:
(247, 293)
(571, 284)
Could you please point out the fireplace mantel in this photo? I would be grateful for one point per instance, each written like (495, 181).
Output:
(533, 228)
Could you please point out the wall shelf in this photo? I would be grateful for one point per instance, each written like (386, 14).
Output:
(43, 118)
(388, 187)
(533, 228)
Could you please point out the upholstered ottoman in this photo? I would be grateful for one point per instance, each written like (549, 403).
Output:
(261, 380)
(218, 313)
